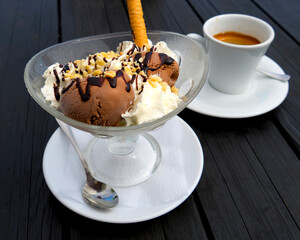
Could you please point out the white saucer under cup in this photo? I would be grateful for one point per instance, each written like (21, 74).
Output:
(264, 95)
(177, 176)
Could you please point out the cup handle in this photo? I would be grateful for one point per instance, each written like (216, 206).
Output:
(198, 38)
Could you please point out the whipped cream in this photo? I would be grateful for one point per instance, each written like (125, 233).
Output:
(155, 101)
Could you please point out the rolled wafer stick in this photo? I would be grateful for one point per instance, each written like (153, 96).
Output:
(137, 22)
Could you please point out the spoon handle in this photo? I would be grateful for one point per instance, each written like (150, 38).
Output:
(281, 77)
(66, 129)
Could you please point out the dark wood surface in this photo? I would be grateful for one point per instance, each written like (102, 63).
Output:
(250, 187)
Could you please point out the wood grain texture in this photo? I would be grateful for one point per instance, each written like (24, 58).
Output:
(29, 27)
(286, 116)
(218, 204)
(280, 164)
(184, 16)
(285, 14)
(86, 18)
(284, 50)
(159, 18)
(250, 184)
(185, 222)
(239, 175)
(250, 188)
(79, 227)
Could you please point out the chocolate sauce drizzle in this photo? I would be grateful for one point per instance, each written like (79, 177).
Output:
(56, 87)
(67, 87)
(56, 77)
(134, 47)
(97, 81)
(95, 58)
(133, 78)
(56, 92)
(65, 68)
(164, 59)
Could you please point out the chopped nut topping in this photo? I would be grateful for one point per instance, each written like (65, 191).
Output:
(97, 72)
(85, 74)
(110, 74)
(174, 90)
(71, 76)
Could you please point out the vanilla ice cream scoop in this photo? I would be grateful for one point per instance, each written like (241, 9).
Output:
(154, 101)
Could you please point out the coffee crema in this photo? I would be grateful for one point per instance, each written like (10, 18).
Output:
(236, 38)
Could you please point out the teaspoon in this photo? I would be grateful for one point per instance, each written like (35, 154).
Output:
(95, 193)
(278, 76)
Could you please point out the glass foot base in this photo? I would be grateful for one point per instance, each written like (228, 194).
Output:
(114, 166)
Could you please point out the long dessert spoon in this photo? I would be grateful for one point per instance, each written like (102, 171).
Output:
(96, 193)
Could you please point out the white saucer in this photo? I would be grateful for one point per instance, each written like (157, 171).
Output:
(264, 95)
(57, 158)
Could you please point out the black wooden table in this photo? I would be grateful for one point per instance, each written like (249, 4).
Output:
(250, 187)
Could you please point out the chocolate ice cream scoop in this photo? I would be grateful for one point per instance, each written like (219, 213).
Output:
(98, 100)
(158, 63)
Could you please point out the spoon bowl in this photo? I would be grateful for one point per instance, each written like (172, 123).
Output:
(100, 198)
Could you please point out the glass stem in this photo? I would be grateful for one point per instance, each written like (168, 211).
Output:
(122, 145)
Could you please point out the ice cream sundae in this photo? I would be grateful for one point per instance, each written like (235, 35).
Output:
(133, 85)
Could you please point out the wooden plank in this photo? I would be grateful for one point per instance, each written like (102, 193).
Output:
(282, 42)
(188, 21)
(219, 205)
(158, 16)
(7, 15)
(223, 216)
(39, 215)
(87, 18)
(284, 51)
(184, 222)
(224, 224)
(78, 227)
(42, 216)
(29, 26)
(184, 16)
(77, 19)
(253, 181)
(185, 226)
(261, 208)
(280, 163)
(284, 13)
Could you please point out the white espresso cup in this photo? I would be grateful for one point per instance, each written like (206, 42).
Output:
(232, 66)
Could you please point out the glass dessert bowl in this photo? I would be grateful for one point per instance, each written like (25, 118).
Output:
(121, 155)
